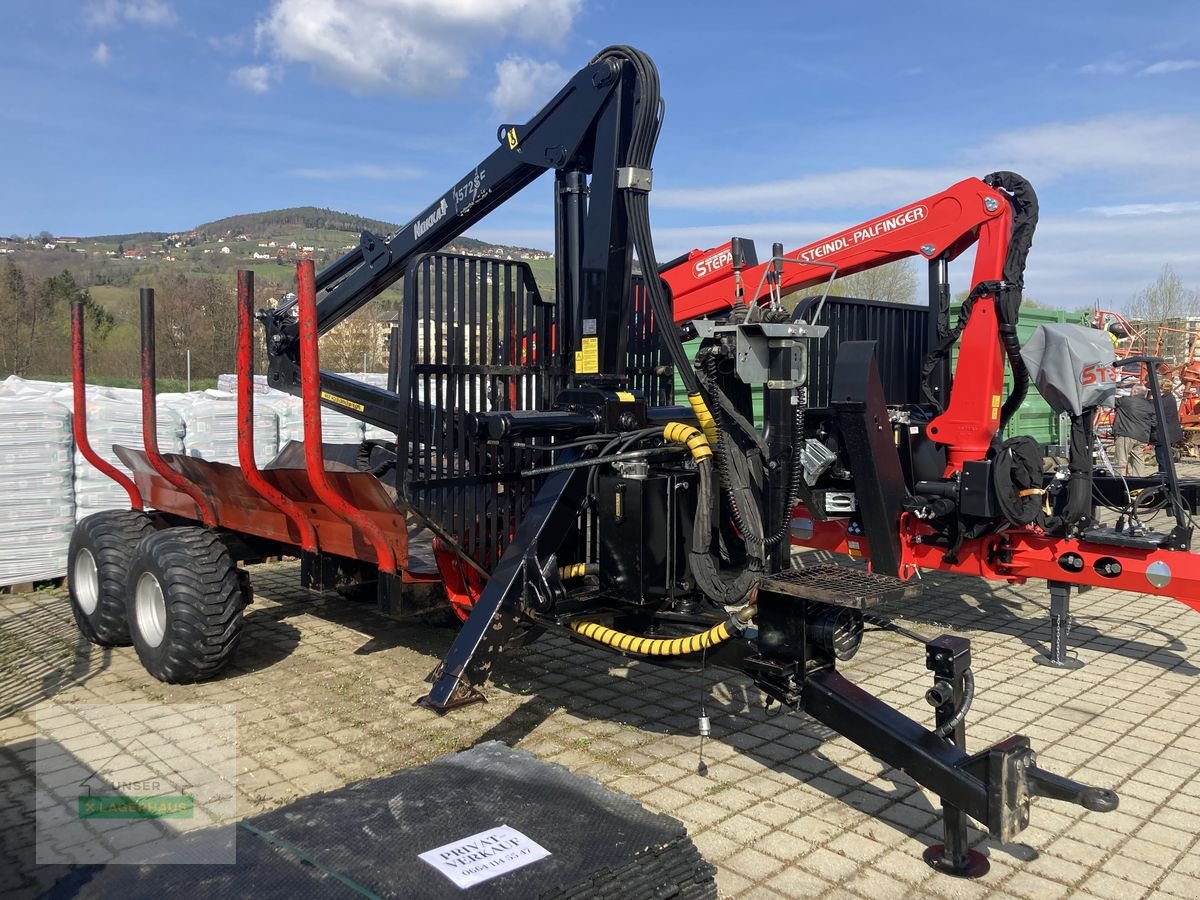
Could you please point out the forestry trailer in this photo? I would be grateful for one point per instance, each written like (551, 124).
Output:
(538, 441)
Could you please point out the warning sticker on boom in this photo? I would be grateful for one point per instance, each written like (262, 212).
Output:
(587, 360)
(342, 401)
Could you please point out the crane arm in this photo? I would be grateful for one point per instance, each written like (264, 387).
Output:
(946, 224)
(996, 213)
(587, 135)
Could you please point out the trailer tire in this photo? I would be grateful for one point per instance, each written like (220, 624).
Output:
(98, 560)
(185, 605)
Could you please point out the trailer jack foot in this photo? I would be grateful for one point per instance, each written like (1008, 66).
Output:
(971, 864)
(1060, 627)
(462, 694)
(949, 659)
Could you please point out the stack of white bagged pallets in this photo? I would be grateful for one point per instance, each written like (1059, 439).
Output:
(335, 428)
(339, 428)
(210, 428)
(114, 417)
(37, 508)
(379, 380)
(228, 383)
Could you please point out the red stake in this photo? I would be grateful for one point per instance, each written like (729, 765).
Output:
(150, 417)
(80, 417)
(245, 404)
(310, 399)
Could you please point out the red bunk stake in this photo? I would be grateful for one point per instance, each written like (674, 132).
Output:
(310, 398)
(245, 405)
(150, 417)
(80, 416)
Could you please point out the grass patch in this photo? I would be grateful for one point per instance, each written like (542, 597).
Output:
(165, 385)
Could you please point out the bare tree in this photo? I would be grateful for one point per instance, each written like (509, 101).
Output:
(895, 282)
(359, 337)
(196, 314)
(1166, 298)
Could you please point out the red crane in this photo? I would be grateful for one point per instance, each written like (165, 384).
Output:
(941, 226)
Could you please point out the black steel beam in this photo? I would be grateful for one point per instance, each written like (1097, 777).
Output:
(496, 615)
(933, 762)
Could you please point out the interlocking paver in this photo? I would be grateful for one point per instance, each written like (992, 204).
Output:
(323, 693)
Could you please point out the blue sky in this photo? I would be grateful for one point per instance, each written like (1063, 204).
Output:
(785, 121)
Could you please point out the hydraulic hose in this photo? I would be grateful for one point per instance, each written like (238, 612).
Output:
(692, 438)
(1008, 302)
(708, 422)
(647, 122)
(947, 729)
(578, 570)
(704, 567)
(644, 646)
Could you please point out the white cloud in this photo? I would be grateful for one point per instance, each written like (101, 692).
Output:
(257, 79)
(1081, 260)
(102, 56)
(1127, 67)
(522, 85)
(109, 13)
(368, 171)
(1146, 209)
(227, 43)
(1146, 149)
(878, 187)
(150, 12)
(417, 47)
(1107, 67)
(1169, 66)
(1137, 146)
(1076, 260)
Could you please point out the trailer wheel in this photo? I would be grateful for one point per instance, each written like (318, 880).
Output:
(185, 605)
(101, 551)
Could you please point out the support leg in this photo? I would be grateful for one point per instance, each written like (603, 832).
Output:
(496, 616)
(318, 572)
(949, 658)
(1060, 627)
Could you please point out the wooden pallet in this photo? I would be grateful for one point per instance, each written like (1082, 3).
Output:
(25, 587)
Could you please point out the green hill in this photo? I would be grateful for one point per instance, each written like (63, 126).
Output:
(308, 224)
(279, 221)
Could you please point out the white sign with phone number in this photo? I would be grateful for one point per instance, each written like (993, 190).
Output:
(483, 856)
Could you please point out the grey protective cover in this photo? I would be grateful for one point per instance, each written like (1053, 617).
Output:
(1071, 366)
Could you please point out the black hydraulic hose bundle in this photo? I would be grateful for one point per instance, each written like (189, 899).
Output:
(1007, 292)
(723, 456)
(646, 126)
(1008, 301)
(647, 123)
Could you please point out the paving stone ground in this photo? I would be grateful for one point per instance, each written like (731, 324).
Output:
(324, 690)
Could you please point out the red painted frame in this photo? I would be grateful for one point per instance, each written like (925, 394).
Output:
(79, 417)
(306, 534)
(310, 398)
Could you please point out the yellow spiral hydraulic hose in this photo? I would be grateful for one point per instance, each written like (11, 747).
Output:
(692, 438)
(707, 423)
(577, 570)
(644, 646)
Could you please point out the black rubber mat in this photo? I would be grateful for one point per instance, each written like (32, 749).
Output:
(363, 840)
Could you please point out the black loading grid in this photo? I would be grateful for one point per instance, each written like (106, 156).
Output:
(839, 586)
(647, 367)
(477, 336)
